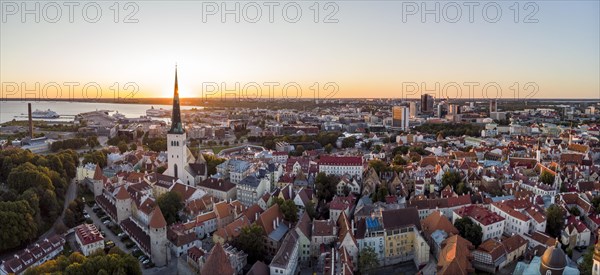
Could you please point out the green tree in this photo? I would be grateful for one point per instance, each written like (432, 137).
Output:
(289, 209)
(122, 147)
(251, 240)
(96, 157)
(212, 162)
(133, 147)
(575, 211)
(367, 259)
(18, 225)
(555, 220)
(399, 160)
(310, 210)
(349, 142)
(451, 178)
(92, 141)
(326, 186)
(379, 166)
(588, 261)
(547, 178)
(469, 230)
(98, 263)
(462, 188)
(380, 194)
(328, 148)
(170, 204)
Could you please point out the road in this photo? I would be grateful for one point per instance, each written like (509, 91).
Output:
(109, 234)
(69, 197)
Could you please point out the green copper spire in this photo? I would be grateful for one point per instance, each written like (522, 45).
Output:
(176, 125)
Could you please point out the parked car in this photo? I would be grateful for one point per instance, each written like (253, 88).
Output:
(87, 216)
(146, 261)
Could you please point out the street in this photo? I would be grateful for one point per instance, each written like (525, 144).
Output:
(109, 234)
(69, 197)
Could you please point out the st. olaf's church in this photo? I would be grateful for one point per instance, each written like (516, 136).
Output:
(181, 162)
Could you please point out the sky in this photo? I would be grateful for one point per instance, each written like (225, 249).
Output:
(348, 49)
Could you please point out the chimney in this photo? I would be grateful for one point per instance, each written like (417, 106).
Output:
(30, 120)
(256, 216)
(274, 224)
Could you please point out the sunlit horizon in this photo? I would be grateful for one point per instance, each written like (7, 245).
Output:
(369, 53)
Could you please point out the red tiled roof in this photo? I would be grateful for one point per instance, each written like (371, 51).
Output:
(157, 220)
(88, 233)
(217, 262)
(480, 214)
(341, 160)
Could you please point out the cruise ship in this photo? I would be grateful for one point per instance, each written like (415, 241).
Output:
(44, 114)
(157, 112)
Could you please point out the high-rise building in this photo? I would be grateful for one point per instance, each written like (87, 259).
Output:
(413, 109)
(426, 103)
(400, 117)
(493, 105)
(453, 109)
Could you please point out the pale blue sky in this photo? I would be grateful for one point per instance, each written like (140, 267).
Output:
(370, 52)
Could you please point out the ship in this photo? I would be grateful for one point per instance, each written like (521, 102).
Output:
(44, 114)
(156, 112)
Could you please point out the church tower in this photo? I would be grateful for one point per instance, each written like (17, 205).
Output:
(158, 238)
(176, 137)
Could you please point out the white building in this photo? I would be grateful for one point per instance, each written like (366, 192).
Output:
(34, 255)
(515, 221)
(346, 165)
(89, 239)
(492, 224)
(285, 261)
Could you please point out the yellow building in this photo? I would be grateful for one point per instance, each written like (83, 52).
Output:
(402, 236)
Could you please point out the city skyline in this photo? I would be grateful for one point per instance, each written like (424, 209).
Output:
(369, 52)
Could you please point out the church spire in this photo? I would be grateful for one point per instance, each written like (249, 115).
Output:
(176, 125)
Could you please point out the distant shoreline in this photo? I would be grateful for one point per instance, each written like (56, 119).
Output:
(199, 101)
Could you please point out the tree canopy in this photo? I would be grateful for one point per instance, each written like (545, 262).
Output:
(115, 262)
(555, 220)
(251, 241)
(348, 142)
(547, 178)
(469, 230)
(367, 259)
(451, 178)
(326, 186)
(289, 209)
(34, 193)
(170, 204)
